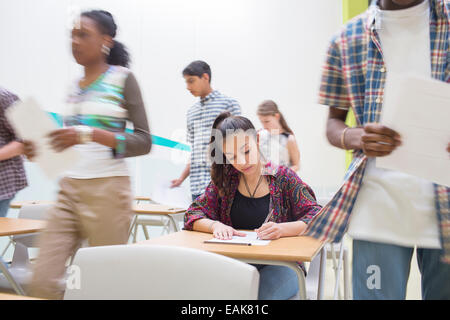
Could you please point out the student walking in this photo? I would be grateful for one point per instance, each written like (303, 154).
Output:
(95, 198)
(200, 118)
(386, 212)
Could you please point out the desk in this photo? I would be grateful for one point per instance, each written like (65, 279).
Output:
(20, 204)
(14, 226)
(151, 209)
(284, 251)
(11, 227)
(159, 210)
(142, 198)
(8, 296)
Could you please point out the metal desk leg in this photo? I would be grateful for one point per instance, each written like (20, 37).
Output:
(172, 218)
(17, 288)
(323, 266)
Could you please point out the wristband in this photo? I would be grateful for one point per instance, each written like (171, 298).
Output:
(85, 133)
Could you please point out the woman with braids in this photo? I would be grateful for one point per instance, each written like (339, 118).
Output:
(243, 191)
(276, 140)
(95, 198)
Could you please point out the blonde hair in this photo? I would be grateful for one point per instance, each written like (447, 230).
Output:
(270, 108)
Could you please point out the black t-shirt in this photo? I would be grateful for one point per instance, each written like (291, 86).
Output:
(249, 213)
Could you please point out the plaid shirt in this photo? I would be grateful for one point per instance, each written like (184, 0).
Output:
(200, 119)
(12, 172)
(354, 77)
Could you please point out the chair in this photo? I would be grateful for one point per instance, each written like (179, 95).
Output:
(20, 267)
(338, 253)
(342, 250)
(160, 272)
(144, 221)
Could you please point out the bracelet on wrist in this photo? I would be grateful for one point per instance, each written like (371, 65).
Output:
(85, 133)
(343, 146)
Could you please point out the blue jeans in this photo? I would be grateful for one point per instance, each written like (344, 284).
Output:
(4, 207)
(276, 282)
(381, 271)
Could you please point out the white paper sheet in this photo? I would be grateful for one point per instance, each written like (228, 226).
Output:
(32, 123)
(419, 110)
(250, 239)
(179, 197)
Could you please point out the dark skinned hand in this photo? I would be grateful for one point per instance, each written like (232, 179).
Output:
(378, 140)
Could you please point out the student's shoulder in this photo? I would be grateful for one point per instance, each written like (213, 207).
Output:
(282, 174)
(193, 109)
(7, 98)
(286, 177)
(444, 6)
(226, 98)
(120, 77)
(354, 29)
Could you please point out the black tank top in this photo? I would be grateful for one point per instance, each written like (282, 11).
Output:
(249, 213)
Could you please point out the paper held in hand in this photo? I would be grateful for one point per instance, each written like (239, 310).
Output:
(32, 123)
(251, 239)
(419, 110)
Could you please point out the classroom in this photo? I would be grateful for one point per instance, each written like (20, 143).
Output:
(224, 150)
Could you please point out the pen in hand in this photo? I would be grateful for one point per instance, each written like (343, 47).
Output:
(266, 220)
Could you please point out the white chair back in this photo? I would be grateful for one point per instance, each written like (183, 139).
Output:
(159, 272)
(34, 212)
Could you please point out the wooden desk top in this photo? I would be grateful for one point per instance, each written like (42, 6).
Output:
(284, 249)
(141, 198)
(10, 296)
(150, 208)
(13, 226)
(140, 208)
(20, 204)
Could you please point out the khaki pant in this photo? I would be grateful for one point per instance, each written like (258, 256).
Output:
(99, 210)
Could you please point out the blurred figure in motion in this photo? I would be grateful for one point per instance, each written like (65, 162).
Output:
(388, 213)
(12, 172)
(95, 198)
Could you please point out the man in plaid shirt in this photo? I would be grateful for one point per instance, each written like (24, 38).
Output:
(200, 118)
(387, 213)
(12, 173)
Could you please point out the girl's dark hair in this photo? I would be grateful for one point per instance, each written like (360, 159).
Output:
(270, 108)
(224, 124)
(118, 56)
(198, 68)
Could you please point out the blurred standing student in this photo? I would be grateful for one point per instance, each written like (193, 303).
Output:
(12, 172)
(276, 140)
(243, 190)
(387, 212)
(95, 198)
(200, 118)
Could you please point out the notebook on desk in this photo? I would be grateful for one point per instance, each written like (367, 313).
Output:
(250, 239)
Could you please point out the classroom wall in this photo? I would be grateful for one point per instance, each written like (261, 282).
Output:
(258, 49)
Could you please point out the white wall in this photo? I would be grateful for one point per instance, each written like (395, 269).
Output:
(258, 49)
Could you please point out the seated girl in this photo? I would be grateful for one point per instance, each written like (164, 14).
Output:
(243, 190)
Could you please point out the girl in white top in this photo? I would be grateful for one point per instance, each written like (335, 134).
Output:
(277, 141)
